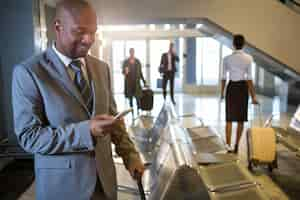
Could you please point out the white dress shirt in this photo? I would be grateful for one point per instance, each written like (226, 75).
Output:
(169, 62)
(238, 66)
(66, 61)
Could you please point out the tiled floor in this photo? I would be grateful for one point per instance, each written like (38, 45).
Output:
(212, 111)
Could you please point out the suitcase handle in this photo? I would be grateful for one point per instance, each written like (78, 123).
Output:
(138, 178)
(260, 114)
(269, 120)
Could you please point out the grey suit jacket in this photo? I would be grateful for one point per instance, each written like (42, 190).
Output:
(52, 122)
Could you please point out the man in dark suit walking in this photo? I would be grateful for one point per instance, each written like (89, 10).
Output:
(168, 69)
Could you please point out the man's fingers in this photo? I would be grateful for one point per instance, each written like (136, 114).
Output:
(102, 127)
(105, 124)
(104, 117)
(103, 131)
(137, 173)
(137, 170)
(119, 121)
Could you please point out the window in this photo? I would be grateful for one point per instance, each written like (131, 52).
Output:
(181, 58)
(207, 61)
(278, 81)
(199, 63)
(226, 51)
(211, 61)
(253, 72)
(261, 76)
(118, 58)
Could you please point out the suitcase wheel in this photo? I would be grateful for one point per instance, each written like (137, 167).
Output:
(270, 168)
(273, 165)
(250, 166)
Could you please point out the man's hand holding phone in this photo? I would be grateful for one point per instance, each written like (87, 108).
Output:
(101, 125)
(120, 115)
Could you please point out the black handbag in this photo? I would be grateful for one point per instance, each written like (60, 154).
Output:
(161, 69)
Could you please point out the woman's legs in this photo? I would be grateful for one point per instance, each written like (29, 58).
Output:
(130, 102)
(137, 105)
(239, 132)
(131, 105)
(228, 133)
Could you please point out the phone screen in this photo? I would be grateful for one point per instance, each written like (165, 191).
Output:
(122, 114)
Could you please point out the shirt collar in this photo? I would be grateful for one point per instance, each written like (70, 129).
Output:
(238, 51)
(65, 59)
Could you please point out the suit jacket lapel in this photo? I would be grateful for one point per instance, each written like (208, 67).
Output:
(58, 70)
(99, 83)
(94, 97)
(93, 79)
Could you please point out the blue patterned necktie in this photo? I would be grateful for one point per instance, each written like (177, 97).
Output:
(81, 83)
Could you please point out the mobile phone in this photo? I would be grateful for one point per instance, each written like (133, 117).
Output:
(122, 114)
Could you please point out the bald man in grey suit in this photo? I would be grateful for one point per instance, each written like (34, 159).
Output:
(63, 113)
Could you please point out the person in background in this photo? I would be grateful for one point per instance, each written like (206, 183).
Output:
(168, 69)
(132, 70)
(63, 111)
(238, 67)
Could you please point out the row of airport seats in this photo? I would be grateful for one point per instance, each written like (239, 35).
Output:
(223, 174)
(290, 138)
(186, 162)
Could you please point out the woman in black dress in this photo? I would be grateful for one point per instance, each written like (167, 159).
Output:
(238, 67)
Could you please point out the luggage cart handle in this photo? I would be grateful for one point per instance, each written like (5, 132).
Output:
(138, 178)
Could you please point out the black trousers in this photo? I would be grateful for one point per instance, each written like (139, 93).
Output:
(168, 76)
(131, 102)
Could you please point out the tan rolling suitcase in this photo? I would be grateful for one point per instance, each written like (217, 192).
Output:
(261, 142)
